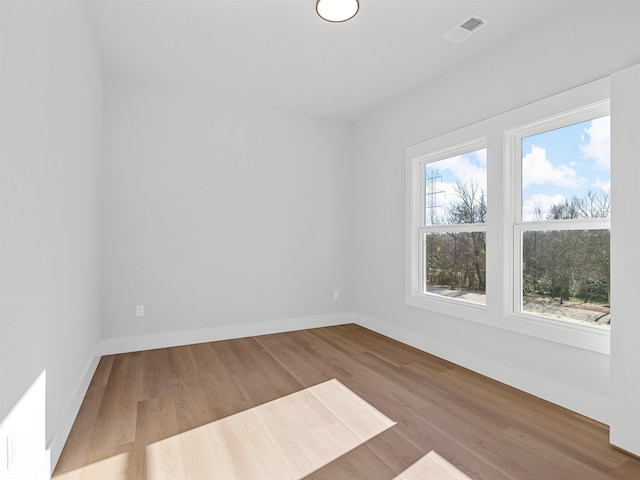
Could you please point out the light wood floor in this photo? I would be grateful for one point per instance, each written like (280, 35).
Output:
(331, 403)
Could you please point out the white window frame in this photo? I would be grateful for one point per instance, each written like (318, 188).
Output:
(495, 133)
(415, 295)
(513, 143)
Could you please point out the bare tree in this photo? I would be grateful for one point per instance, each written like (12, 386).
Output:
(471, 206)
(458, 259)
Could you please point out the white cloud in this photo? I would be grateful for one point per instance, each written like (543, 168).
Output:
(537, 169)
(599, 144)
(481, 156)
(539, 202)
(466, 170)
(604, 185)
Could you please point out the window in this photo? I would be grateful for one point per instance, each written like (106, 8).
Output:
(450, 226)
(562, 218)
(512, 230)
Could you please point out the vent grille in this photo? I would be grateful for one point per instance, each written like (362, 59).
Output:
(465, 29)
(472, 24)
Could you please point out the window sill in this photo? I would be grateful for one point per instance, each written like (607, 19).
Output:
(587, 337)
(466, 310)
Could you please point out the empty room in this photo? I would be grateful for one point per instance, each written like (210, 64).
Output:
(319, 239)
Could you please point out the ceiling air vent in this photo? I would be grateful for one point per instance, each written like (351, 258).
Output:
(472, 24)
(465, 29)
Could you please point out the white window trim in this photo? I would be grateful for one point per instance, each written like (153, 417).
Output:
(498, 312)
(516, 226)
(416, 211)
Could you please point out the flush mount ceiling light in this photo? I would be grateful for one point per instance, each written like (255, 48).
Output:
(337, 10)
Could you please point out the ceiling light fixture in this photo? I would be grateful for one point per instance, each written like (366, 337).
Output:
(337, 10)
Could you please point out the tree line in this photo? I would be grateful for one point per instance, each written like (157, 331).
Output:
(557, 264)
(566, 264)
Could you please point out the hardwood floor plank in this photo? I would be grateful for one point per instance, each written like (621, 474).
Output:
(201, 411)
(326, 365)
(156, 421)
(113, 467)
(577, 436)
(116, 420)
(536, 459)
(364, 420)
(155, 373)
(191, 403)
(222, 391)
(103, 370)
(628, 469)
(254, 387)
(433, 467)
(76, 448)
(392, 448)
(270, 375)
(359, 463)
(287, 438)
(292, 356)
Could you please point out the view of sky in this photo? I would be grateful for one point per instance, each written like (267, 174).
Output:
(559, 164)
(556, 165)
(443, 176)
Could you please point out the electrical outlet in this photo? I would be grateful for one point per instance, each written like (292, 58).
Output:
(336, 295)
(139, 310)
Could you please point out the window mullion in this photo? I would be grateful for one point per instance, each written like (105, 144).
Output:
(581, 224)
(466, 227)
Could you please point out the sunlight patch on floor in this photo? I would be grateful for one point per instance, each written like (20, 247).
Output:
(288, 438)
(432, 467)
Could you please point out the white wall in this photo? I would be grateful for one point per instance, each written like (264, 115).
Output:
(514, 75)
(50, 111)
(221, 218)
(625, 261)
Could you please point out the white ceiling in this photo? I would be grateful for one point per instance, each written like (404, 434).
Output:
(279, 52)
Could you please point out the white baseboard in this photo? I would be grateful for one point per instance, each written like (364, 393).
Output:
(582, 402)
(60, 435)
(223, 332)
